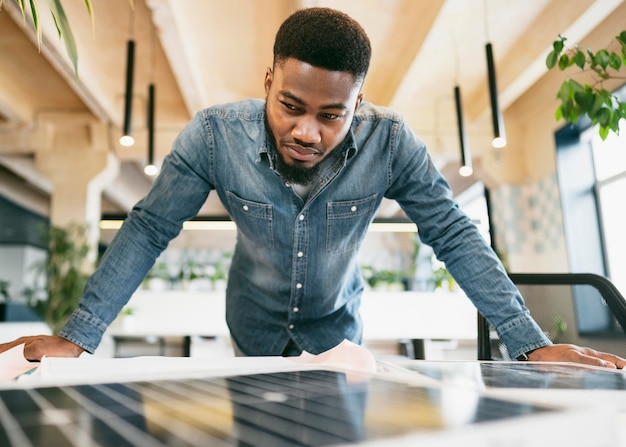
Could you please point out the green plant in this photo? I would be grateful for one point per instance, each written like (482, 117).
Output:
(60, 21)
(442, 277)
(592, 100)
(64, 273)
(4, 290)
(159, 270)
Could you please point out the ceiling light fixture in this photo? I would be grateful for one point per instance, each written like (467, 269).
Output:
(466, 158)
(499, 133)
(127, 139)
(150, 169)
(225, 224)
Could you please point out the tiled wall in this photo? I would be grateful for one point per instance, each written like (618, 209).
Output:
(528, 225)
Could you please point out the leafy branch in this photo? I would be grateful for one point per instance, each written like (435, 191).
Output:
(602, 107)
(60, 22)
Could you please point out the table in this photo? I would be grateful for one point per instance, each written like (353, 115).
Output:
(273, 401)
(386, 316)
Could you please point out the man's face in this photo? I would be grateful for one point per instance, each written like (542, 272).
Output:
(309, 111)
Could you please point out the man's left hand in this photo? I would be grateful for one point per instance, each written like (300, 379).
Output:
(576, 354)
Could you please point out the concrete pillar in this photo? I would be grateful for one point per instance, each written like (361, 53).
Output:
(76, 160)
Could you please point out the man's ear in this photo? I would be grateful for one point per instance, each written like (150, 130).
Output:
(359, 98)
(268, 80)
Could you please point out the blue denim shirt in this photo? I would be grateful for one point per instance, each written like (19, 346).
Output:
(294, 273)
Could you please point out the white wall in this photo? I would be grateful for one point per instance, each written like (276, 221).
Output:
(17, 266)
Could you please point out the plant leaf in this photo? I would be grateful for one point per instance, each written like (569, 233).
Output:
(33, 8)
(91, 17)
(602, 58)
(65, 31)
(580, 59)
(603, 132)
(551, 59)
(584, 100)
(615, 61)
(604, 117)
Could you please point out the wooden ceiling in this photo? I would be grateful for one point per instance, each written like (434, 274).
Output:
(203, 52)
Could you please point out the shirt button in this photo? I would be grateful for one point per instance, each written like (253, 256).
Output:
(301, 217)
(287, 184)
(245, 208)
(353, 208)
(296, 309)
(300, 254)
(298, 286)
(291, 326)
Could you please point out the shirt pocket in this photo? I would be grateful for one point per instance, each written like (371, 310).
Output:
(253, 219)
(347, 223)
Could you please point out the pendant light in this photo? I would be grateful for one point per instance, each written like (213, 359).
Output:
(499, 134)
(150, 168)
(127, 138)
(497, 121)
(466, 158)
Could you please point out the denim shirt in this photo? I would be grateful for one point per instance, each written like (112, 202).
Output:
(294, 274)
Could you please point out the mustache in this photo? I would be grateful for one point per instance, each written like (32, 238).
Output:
(301, 144)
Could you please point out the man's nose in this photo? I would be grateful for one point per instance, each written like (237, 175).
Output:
(307, 130)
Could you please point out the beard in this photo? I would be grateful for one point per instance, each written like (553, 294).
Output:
(295, 172)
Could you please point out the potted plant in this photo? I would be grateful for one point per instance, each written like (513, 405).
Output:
(61, 277)
(4, 297)
(158, 277)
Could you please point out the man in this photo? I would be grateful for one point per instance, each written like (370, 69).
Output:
(302, 174)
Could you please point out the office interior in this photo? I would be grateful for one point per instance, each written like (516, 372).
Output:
(547, 201)
(62, 162)
(57, 123)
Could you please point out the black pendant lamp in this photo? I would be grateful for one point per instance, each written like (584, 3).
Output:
(150, 168)
(127, 139)
(499, 134)
(466, 158)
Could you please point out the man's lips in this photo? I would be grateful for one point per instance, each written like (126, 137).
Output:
(302, 152)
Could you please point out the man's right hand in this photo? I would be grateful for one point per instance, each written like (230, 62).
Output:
(38, 346)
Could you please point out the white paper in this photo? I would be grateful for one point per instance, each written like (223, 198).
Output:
(346, 354)
(13, 363)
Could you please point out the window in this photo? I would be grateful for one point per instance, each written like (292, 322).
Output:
(609, 160)
(592, 181)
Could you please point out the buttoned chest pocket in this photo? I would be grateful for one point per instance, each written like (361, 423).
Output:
(253, 219)
(347, 223)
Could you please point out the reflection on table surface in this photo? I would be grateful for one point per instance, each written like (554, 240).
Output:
(294, 408)
(567, 376)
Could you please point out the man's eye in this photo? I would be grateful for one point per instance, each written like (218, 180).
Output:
(330, 116)
(289, 106)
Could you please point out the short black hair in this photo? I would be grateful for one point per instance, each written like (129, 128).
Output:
(325, 38)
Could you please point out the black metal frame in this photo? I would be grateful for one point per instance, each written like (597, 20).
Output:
(611, 295)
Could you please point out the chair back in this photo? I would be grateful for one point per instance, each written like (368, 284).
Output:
(580, 308)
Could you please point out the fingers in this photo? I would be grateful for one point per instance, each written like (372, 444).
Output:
(38, 346)
(577, 354)
(590, 356)
(618, 362)
(596, 361)
(12, 344)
